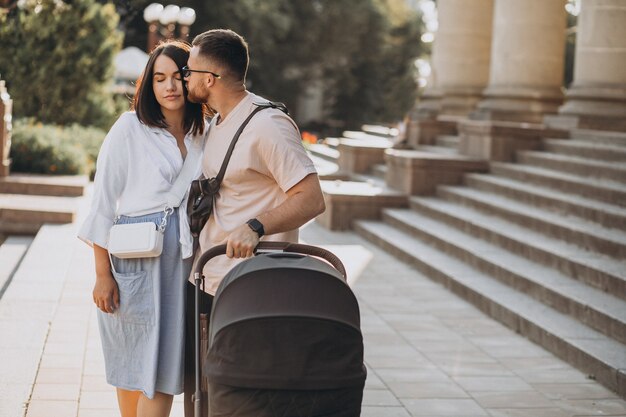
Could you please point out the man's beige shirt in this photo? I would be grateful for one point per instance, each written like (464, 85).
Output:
(267, 161)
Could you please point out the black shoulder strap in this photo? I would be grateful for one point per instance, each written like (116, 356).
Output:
(260, 106)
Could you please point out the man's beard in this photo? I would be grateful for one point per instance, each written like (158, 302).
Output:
(196, 98)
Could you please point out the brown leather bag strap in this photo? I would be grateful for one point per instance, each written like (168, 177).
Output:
(233, 142)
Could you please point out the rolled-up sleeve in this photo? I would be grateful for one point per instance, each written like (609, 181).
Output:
(110, 180)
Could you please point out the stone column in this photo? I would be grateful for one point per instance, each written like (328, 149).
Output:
(461, 53)
(597, 97)
(5, 130)
(527, 59)
(460, 68)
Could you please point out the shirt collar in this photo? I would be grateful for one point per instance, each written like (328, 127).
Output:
(188, 136)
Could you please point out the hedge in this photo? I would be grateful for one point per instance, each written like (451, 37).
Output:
(48, 149)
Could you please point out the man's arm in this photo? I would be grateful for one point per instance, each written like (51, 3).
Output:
(304, 201)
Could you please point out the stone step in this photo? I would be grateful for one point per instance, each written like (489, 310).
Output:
(595, 308)
(363, 197)
(379, 171)
(437, 149)
(585, 149)
(12, 250)
(417, 172)
(603, 190)
(447, 141)
(51, 185)
(368, 138)
(373, 181)
(586, 234)
(614, 171)
(25, 214)
(599, 136)
(332, 142)
(326, 169)
(592, 352)
(323, 151)
(384, 131)
(607, 215)
(595, 269)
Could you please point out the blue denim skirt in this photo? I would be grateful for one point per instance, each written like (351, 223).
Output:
(143, 341)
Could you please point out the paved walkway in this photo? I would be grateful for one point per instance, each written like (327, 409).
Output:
(428, 352)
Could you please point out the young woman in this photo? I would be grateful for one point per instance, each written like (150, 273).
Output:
(141, 300)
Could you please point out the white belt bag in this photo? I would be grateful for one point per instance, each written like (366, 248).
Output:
(145, 239)
(138, 240)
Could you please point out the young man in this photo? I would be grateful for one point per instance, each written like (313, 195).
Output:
(270, 188)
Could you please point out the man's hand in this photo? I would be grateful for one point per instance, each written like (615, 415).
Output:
(241, 242)
(106, 294)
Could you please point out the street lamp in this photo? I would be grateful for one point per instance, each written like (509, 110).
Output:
(162, 22)
(151, 16)
(168, 19)
(186, 17)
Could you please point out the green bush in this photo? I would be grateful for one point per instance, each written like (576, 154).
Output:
(48, 149)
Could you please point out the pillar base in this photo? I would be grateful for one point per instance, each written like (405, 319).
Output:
(598, 108)
(347, 201)
(429, 105)
(564, 121)
(499, 141)
(460, 101)
(5, 168)
(425, 132)
(419, 173)
(525, 105)
(357, 156)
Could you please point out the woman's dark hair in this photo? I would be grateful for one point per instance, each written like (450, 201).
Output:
(145, 103)
(227, 48)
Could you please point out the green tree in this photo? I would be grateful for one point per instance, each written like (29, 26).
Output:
(363, 50)
(380, 85)
(57, 59)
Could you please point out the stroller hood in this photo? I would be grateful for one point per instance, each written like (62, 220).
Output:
(285, 321)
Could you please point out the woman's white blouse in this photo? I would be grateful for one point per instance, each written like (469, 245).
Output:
(136, 167)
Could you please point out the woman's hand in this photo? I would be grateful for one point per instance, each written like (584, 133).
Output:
(105, 293)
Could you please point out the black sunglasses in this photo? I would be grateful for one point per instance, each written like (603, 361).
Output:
(187, 72)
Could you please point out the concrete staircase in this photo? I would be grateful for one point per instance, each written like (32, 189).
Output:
(539, 245)
(29, 201)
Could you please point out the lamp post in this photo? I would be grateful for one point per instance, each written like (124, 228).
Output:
(168, 19)
(186, 17)
(151, 16)
(162, 22)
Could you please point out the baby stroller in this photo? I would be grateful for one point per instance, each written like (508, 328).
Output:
(284, 337)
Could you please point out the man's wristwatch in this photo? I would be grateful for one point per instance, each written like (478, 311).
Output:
(256, 226)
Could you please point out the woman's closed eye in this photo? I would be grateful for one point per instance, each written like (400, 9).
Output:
(158, 79)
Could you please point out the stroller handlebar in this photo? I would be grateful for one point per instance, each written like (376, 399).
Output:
(277, 246)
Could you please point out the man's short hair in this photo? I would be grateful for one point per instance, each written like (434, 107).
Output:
(226, 48)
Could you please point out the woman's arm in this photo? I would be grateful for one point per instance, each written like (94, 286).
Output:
(105, 292)
(111, 173)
